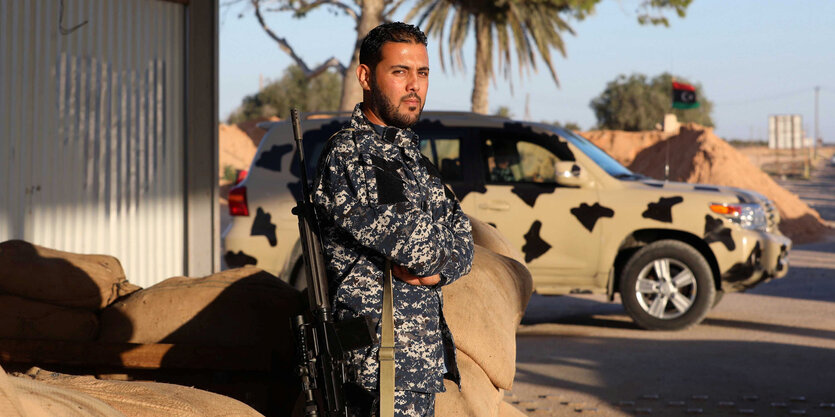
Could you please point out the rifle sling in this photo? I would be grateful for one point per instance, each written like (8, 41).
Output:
(387, 347)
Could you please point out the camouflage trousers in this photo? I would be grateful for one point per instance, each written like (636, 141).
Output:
(406, 404)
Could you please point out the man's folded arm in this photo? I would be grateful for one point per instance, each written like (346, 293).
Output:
(461, 254)
(400, 230)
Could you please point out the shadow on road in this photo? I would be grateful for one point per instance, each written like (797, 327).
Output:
(702, 373)
(770, 328)
(580, 310)
(806, 284)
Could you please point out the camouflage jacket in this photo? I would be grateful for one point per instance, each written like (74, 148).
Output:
(378, 197)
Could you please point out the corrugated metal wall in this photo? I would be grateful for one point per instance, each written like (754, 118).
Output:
(92, 128)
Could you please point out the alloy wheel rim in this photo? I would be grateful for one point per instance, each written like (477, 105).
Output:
(666, 288)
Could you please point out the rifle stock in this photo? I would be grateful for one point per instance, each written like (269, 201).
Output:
(321, 343)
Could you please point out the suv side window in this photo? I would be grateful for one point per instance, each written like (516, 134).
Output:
(514, 161)
(445, 153)
(426, 149)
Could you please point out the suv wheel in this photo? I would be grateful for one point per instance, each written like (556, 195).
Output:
(667, 285)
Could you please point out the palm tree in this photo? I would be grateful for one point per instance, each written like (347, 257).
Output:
(534, 26)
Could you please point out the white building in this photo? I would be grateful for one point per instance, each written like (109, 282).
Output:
(785, 131)
(108, 131)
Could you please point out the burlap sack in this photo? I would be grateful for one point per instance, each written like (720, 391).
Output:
(61, 278)
(238, 307)
(477, 398)
(490, 238)
(23, 397)
(483, 310)
(26, 319)
(147, 399)
(9, 398)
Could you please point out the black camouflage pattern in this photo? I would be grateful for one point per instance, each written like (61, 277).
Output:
(376, 200)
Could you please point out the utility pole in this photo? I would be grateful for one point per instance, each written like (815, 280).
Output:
(817, 132)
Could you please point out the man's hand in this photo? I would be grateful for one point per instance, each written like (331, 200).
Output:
(402, 273)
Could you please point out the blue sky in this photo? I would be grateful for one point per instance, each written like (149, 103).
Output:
(753, 58)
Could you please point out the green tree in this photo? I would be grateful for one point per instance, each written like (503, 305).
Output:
(566, 125)
(294, 89)
(504, 111)
(530, 27)
(636, 103)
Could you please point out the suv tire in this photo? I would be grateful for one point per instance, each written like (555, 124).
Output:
(718, 297)
(667, 285)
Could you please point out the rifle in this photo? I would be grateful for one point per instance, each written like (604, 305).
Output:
(321, 343)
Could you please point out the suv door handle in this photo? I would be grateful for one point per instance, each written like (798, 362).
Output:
(495, 205)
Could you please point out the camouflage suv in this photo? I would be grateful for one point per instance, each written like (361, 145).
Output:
(584, 223)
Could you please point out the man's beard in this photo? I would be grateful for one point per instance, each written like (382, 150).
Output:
(387, 111)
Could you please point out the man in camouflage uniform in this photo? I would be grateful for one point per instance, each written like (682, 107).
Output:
(378, 198)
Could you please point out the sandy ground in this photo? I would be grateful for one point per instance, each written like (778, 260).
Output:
(761, 155)
(766, 352)
(818, 192)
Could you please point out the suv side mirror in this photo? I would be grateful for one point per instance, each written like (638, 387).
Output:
(570, 174)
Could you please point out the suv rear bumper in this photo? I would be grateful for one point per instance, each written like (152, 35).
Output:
(766, 258)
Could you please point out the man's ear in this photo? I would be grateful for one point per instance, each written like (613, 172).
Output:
(364, 76)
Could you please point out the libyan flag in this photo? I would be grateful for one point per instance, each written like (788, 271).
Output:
(684, 96)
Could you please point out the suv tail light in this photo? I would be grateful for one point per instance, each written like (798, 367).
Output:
(237, 202)
(240, 176)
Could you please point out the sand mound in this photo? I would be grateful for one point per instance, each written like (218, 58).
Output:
(697, 155)
(250, 127)
(236, 148)
(239, 142)
(622, 145)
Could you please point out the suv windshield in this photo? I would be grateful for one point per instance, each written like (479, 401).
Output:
(609, 164)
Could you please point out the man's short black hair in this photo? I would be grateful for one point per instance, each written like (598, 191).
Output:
(370, 54)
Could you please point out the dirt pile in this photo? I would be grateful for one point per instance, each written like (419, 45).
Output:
(621, 145)
(237, 145)
(697, 155)
(250, 127)
(236, 149)
(239, 142)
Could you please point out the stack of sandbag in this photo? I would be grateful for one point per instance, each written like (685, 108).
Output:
(53, 295)
(238, 307)
(483, 310)
(23, 397)
(40, 393)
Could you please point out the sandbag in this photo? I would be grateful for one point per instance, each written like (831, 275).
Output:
(61, 278)
(23, 397)
(39, 399)
(10, 405)
(477, 398)
(147, 399)
(25, 319)
(238, 307)
(483, 310)
(489, 237)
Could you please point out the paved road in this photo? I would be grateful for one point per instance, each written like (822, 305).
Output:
(767, 352)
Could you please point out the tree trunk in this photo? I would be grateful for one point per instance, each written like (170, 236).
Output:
(483, 65)
(371, 15)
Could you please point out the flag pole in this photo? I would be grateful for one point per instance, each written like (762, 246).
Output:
(667, 138)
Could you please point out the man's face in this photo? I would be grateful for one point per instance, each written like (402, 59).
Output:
(397, 86)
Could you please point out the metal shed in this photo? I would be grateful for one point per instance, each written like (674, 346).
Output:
(108, 131)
